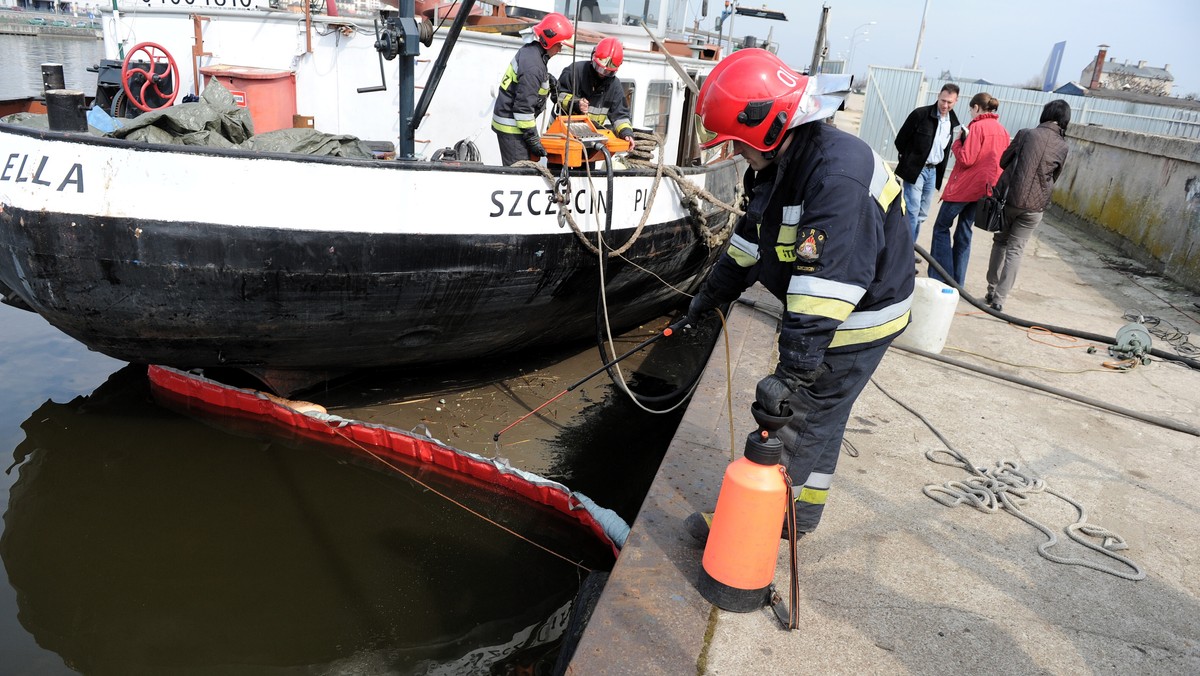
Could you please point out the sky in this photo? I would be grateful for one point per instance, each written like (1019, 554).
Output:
(1002, 41)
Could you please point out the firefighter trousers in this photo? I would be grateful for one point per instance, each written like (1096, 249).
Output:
(813, 438)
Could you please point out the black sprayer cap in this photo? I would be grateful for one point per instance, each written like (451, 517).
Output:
(762, 446)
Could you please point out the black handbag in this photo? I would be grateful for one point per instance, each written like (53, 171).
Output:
(989, 211)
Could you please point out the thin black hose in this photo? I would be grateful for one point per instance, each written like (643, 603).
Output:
(1107, 340)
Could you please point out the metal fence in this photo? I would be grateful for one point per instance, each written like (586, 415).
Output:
(892, 93)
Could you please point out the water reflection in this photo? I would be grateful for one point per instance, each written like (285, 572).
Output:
(142, 541)
(23, 55)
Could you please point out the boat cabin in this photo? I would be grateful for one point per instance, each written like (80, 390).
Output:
(322, 71)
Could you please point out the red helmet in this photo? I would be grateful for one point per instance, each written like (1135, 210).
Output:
(607, 56)
(554, 29)
(752, 96)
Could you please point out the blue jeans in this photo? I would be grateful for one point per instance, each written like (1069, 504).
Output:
(953, 256)
(917, 197)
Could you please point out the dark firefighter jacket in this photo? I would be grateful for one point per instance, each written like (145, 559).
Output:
(605, 95)
(825, 232)
(523, 91)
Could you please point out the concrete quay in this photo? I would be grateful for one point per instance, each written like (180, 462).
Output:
(895, 582)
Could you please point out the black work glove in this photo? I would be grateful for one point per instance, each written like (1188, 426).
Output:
(702, 305)
(774, 390)
(534, 143)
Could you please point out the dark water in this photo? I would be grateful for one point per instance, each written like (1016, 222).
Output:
(138, 539)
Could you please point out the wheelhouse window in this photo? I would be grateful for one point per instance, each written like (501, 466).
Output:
(610, 11)
(658, 106)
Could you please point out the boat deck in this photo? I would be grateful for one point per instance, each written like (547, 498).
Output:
(894, 582)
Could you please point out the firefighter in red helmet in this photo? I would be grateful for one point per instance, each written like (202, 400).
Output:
(824, 231)
(592, 88)
(524, 88)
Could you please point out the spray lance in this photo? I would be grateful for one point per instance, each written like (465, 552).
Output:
(665, 333)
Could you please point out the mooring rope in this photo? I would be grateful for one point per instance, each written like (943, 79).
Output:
(1008, 486)
(692, 197)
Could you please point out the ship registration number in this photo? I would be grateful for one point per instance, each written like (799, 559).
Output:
(543, 203)
(226, 4)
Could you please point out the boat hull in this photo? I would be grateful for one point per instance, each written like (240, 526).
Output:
(402, 264)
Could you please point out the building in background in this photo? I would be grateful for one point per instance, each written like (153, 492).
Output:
(1142, 79)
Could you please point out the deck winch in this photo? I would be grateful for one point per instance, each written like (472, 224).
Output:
(399, 33)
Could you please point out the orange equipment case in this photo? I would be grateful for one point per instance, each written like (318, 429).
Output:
(574, 139)
(269, 94)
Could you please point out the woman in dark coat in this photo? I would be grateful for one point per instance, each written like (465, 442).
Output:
(1032, 163)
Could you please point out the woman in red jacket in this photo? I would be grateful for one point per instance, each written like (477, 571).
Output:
(976, 168)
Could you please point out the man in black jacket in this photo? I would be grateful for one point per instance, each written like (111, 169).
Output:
(824, 231)
(524, 88)
(592, 88)
(924, 145)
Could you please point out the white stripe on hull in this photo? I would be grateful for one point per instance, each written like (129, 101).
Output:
(116, 181)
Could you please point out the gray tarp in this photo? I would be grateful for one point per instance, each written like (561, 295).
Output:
(217, 121)
(214, 121)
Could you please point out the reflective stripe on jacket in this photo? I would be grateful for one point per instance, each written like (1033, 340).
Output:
(523, 91)
(825, 232)
(605, 95)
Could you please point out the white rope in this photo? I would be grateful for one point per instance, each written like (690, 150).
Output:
(619, 380)
(1008, 486)
(691, 197)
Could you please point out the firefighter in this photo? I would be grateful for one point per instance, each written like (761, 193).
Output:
(524, 88)
(592, 88)
(825, 232)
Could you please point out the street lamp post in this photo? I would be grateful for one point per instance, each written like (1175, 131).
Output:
(853, 39)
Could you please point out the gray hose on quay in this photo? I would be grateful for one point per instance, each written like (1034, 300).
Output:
(1154, 420)
(1167, 423)
(1107, 340)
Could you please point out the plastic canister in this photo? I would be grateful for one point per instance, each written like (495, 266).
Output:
(933, 309)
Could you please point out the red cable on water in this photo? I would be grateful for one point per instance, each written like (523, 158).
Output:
(496, 436)
(666, 333)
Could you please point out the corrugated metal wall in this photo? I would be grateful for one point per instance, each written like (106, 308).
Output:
(892, 93)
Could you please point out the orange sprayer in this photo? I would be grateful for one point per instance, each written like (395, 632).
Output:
(739, 557)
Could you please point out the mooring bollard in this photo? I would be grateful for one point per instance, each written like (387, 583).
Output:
(52, 77)
(66, 111)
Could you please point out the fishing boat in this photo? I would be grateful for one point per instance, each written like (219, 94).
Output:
(299, 267)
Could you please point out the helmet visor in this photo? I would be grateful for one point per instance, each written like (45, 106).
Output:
(707, 137)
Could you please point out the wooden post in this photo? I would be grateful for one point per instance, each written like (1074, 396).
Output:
(197, 49)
